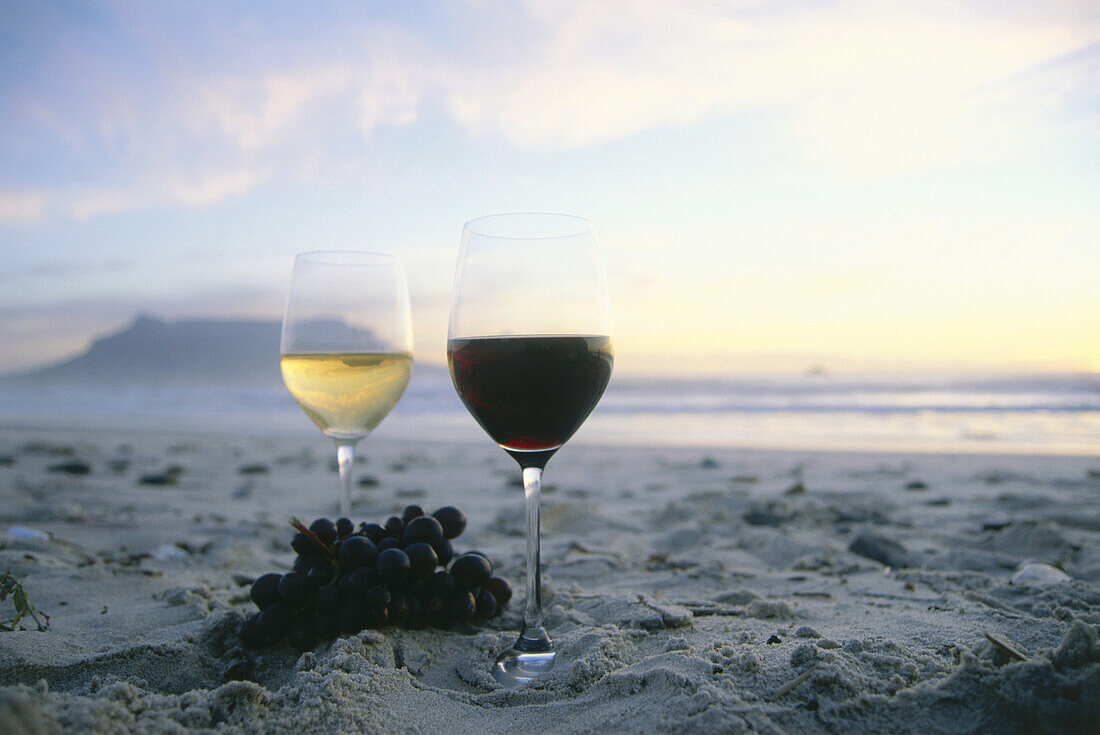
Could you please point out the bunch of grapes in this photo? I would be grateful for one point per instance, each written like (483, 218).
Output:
(346, 579)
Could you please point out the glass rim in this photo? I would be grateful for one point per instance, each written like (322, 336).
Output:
(580, 225)
(347, 257)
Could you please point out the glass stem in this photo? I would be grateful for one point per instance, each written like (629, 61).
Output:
(533, 637)
(345, 456)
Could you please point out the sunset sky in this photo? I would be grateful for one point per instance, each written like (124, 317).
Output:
(860, 185)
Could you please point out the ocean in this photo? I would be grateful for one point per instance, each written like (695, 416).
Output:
(1023, 414)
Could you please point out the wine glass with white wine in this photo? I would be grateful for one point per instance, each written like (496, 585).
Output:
(346, 348)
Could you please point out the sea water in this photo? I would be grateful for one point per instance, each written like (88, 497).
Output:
(1042, 414)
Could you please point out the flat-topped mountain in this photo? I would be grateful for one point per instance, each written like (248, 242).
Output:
(150, 351)
(237, 353)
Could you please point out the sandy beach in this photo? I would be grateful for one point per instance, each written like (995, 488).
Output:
(688, 590)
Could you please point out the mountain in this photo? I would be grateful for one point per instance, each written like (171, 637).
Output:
(150, 351)
(236, 353)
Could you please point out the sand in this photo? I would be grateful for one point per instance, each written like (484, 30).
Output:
(688, 590)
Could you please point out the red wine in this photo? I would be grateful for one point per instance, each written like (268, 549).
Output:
(531, 393)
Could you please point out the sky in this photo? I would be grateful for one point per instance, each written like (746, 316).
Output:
(867, 185)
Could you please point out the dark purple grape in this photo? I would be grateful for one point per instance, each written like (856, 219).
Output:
(388, 542)
(410, 512)
(344, 527)
(452, 520)
(265, 590)
(353, 616)
(423, 529)
(250, 632)
(302, 637)
(343, 583)
(445, 551)
(357, 552)
(395, 527)
(486, 605)
(471, 571)
(361, 580)
(433, 608)
(377, 617)
(393, 566)
(319, 575)
(328, 626)
(422, 560)
(482, 554)
(414, 616)
(500, 589)
(397, 609)
(442, 583)
(372, 531)
(273, 621)
(459, 606)
(325, 530)
(293, 589)
(301, 543)
(327, 601)
(377, 596)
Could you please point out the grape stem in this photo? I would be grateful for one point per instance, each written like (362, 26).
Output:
(304, 530)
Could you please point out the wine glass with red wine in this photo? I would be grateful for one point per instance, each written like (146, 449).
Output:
(530, 353)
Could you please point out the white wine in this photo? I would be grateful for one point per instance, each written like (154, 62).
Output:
(346, 393)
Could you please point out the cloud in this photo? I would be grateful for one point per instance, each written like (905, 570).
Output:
(863, 89)
(64, 269)
(852, 88)
(17, 206)
(255, 113)
(215, 187)
(193, 192)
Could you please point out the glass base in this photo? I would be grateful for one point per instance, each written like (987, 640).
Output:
(515, 668)
(531, 657)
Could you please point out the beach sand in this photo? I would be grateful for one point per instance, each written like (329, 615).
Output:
(688, 590)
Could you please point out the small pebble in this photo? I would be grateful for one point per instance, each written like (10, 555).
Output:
(253, 469)
(762, 517)
(169, 552)
(765, 609)
(879, 548)
(75, 467)
(170, 476)
(23, 533)
(1039, 575)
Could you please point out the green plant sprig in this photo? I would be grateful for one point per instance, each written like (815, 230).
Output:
(9, 585)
